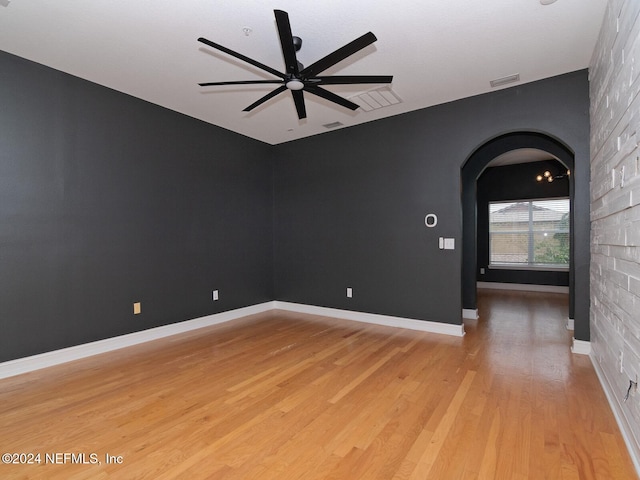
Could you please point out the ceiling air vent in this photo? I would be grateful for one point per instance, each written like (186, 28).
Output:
(378, 98)
(333, 125)
(499, 82)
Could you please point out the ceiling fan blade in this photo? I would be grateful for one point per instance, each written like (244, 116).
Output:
(244, 58)
(239, 82)
(286, 41)
(298, 99)
(327, 95)
(268, 96)
(350, 79)
(339, 55)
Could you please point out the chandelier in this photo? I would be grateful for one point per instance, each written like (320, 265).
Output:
(550, 177)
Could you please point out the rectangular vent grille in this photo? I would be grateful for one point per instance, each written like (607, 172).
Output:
(498, 82)
(333, 125)
(375, 99)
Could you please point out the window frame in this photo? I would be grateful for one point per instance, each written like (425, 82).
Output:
(530, 232)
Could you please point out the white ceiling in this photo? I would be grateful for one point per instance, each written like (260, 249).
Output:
(437, 50)
(520, 155)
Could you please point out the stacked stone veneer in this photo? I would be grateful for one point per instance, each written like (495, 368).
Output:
(615, 211)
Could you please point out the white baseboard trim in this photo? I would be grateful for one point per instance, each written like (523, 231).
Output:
(522, 287)
(581, 347)
(618, 413)
(470, 313)
(570, 324)
(77, 352)
(377, 319)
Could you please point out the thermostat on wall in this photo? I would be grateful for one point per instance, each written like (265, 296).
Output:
(431, 220)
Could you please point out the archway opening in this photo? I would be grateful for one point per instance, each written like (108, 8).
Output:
(508, 149)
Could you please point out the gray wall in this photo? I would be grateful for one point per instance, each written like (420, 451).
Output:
(350, 204)
(615, 205)
(106, 200)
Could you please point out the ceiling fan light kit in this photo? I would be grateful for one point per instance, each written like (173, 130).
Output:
(295, 84)
(298, 79)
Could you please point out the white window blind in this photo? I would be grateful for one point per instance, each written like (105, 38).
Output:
(529, 233)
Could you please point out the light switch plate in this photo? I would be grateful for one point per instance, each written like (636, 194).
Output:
(449, 243)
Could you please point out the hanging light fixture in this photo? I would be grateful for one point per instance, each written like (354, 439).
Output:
(550, 177)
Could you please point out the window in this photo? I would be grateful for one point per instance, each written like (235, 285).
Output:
(531, 233)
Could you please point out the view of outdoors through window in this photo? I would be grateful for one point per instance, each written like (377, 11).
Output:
(532, 233)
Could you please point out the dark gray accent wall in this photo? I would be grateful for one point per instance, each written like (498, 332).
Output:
(350, 204)
(516, 182)
(350, 210)
(106, 200)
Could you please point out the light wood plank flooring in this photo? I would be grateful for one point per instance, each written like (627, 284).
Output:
(290, 396)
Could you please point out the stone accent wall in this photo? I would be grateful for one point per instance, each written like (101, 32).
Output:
(615, 211)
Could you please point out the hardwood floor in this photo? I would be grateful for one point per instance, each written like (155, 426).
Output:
(291, 396)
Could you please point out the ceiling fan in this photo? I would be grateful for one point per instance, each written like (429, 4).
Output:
(298, 78)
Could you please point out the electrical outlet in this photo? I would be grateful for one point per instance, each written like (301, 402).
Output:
(215, 295)
(137, 308)
(482, 271)
(349, 292)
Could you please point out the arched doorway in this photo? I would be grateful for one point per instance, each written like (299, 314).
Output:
(471, 170)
